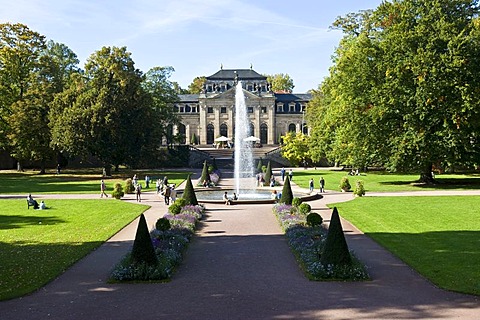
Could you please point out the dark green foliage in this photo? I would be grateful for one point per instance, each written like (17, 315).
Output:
(163, 224)
(287, 194)
(259, 165)
(268, 173)
(296, 202)
(359, 188)
(211, 168)
(345, 184)
(143, 251)
(189, 193)
(129, 188)
(175, 208)
(117, 191)
(214, 164)
(205, 176)
(314, 219)
(194, 139)
(336, 248)
(304, 208)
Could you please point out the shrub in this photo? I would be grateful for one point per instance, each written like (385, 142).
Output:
(211, 168)
(205, 176)
(345, 184)
(287, 194)
(142, 251)
(335, 251)
(163, 224)
(175, 208)
(314, 219)
(296, 202)
(181, 202)
(117, 191)
(259, 165)
(359, 188)
(304, 208)
(268, 173)
(189, 193)
(129, 188)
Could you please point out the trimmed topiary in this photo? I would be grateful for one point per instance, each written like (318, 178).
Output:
(163, 224)
(268, 173)
(314, 219)
(287, 194)
(259, 165)
(128, 188)
(296, 201)
(181, 202)
(345, 184)
(359, 189)
(304, 208)
(117, 191)
(189, 193)
(205, 176)
(143, 251)
(335, 251)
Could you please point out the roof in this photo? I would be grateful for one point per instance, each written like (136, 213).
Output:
(289, 97)
(243, 74)
(188, 97)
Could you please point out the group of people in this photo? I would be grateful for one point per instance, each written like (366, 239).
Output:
(283, 173)
(321, 182)
(35, 204)
(227, 199)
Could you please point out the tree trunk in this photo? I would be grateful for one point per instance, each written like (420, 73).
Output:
(427, 175)
(42, 167)
(19, 166)
(107, 170)
(116, 168)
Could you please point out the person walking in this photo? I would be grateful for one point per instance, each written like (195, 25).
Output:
(166, 195)
(290, 174)
(138, 192)
(311, 185)
(282, 172)
(103, 187)
(322, 185)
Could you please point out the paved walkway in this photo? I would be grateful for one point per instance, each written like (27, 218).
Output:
(239, 266)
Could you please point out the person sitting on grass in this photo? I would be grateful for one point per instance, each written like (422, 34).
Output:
(42, 205)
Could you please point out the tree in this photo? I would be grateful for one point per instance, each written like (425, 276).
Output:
(197, 85)
(335, 251)
(402, 90)
(189, 193)
(268, 173)
(295, 148)
(205, 176)
(287, 194)
(143, 251)
(280, 82)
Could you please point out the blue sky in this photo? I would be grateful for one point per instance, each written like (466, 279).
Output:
(197, 36)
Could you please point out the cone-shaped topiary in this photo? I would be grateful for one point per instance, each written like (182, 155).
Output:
(205, 176)
(143, 251)
(268, 173)
(189, 193)
(335, 251)
(287, 194)
(259, 165)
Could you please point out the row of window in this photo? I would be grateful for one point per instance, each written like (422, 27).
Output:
(281, 108)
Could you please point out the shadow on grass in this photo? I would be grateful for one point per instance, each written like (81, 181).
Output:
(20, 221)
(440, 183)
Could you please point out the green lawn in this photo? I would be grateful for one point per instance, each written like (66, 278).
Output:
(78, 181)
(384, 181)
(437, 236)
(38, 245)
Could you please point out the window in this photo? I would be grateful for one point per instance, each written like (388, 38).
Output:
(251, 131)
(224, 130)
(291, 108)
(182, 109)
(279, 108)
(250, 109)
(223, 110)
(210, 134)
(292, 127)
(181, 133)
(194, 109)
(264, 109)
(209, 109)
(263, 133)
(188, 108)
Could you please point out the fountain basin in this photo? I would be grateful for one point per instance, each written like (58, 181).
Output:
(257, 196)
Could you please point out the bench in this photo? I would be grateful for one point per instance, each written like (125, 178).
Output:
(30, 204)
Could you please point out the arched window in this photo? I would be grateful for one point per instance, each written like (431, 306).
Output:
(182, 131)
(305, 128)
(188, 108)
(292, 127)
(251, 129)
(224, 130)
(210, 134)
(263, 133)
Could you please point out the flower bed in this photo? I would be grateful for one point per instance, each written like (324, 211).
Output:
(307, 244)
(169, 246)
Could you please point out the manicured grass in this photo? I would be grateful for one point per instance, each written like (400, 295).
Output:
(38, 245)
(437, 236)
(76, 181)
(384, 181)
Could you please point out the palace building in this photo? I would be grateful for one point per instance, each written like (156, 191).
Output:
(211, 113)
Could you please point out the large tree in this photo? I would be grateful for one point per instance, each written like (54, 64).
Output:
(280, 82)
(197, 85)
(403, 87)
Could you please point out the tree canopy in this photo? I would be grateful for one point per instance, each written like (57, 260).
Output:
(280, 82)
(197, 85)
(402, 89)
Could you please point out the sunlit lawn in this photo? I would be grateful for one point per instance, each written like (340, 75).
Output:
(438, 236)
(37, 245)
(384, 181)
(76, 181)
